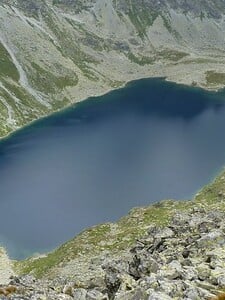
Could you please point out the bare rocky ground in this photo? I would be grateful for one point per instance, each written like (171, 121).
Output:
(184, 260)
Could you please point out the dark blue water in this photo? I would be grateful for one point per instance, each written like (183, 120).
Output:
(90, 164)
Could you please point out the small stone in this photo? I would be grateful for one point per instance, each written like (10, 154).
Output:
(203, 271)
(127, 282)
(185, 253)
(68, 289)
(158, 296)
(221, 281)
(96, 295)
(174, 270)
(165, 233)
(192, 293)
(79, 294)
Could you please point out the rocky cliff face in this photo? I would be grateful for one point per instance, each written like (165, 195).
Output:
(57, 52)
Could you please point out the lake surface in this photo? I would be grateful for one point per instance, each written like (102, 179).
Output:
(92, 163)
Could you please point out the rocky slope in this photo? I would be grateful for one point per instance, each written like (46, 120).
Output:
(6, 267)
(184, 260)
(169, 250)
(57, 52)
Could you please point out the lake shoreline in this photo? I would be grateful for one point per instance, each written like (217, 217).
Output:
(107, 91)
(130, 140)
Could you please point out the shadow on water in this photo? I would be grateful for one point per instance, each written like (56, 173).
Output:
(89, 164)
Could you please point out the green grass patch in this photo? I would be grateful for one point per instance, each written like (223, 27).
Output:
(28, 101)
(167, 54)
(87, 241)
(7, 67)
(172, 55)
(213, 194)
(47, 82)
(116, 83)
(215, 78)
(142, 18)
(61, 104)
(140, 60)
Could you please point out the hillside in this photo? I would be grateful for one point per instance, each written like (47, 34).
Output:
(169, 250)
(56, 52)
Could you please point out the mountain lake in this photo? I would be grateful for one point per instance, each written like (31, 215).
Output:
(94, 161)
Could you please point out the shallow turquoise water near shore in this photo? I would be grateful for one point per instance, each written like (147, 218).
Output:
(93, 162)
